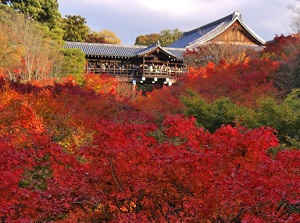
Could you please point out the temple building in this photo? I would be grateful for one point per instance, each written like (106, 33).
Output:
(157, 64)
(136, 64)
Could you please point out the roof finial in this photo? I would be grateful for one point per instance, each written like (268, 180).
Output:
(237, 13)
(158, 43)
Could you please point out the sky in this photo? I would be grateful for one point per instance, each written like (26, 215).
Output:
(131, 18)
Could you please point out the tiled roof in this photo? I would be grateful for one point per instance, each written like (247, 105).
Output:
(211, 30)
(149, 49)
(188, 40)
(177, 52)
(100, 49)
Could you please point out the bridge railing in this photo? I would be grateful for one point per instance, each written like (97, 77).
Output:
(137, 72)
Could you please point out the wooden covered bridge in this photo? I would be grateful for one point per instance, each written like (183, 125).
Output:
(157, 64)
(135, 64)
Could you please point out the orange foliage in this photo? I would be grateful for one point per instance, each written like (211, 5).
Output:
(100, 83)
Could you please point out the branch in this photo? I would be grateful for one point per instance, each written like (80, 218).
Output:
(114, 175)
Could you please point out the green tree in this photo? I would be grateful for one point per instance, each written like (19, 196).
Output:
(43, 11)
(195, 106)
(75, 28)
(213, 115)
(73, 63)
(167, 37)
(284, 117)
(222, 112)
(147, 40)
(292, 101)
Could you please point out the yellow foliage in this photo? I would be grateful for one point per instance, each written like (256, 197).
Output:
(109, 36)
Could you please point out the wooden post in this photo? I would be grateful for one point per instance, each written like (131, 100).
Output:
(100, 66)
(87, 66)
(144, 65)
(114, 67)
(167, 68)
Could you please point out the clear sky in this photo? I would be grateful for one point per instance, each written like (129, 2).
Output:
(131, 18)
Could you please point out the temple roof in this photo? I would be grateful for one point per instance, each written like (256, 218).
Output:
(188, 40)
(111, 50)
(154, 47)
(206, 33)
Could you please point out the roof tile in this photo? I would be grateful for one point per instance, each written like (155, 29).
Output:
(100, 49)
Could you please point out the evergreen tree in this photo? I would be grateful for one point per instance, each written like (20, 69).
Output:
(75, 28)
(43, 11)
(73, 63)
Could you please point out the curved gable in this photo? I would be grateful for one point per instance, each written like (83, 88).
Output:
(156, 48)
(220, 29)
(237, 34)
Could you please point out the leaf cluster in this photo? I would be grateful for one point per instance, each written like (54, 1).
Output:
(43, 11)
(165, 37)
(74, 153)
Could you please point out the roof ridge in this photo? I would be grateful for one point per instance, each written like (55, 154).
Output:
(153, 46)
(173, 48)
(106, 44)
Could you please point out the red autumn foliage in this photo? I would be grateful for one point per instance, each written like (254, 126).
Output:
(243, 83)
(29, 161)
(158, 103)
(192, 175)
(286, 51)
(67, 154)
(283, 48)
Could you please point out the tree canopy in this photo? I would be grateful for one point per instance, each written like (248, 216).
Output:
(94, 37)
(147, 40)
(43, 11)
(108, 36)
(166, 37)
(75, 28)
(29, 50)
(73, 63)
(75, 155)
